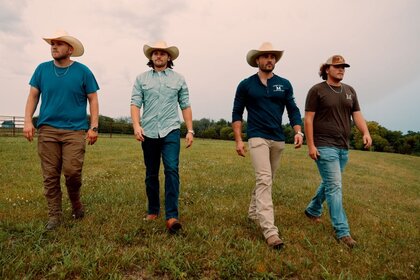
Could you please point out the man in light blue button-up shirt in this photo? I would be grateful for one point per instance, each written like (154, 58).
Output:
(159, 92)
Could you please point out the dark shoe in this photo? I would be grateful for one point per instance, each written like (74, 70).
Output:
(53, 223)
(151, 217)
(350, 242)
(173, 225)
(275, 242)
(313, 218)
(78, 213)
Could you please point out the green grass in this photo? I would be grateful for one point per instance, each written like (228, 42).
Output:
(381, 197)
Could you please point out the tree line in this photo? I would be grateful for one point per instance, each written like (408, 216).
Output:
(384, 140)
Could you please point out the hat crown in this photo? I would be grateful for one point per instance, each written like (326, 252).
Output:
(159, 45)
(266, 46)
(60, 33)
(336, 59)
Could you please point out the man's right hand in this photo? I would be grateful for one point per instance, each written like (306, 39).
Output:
(139, 133)
(240, 148)
(29, 131)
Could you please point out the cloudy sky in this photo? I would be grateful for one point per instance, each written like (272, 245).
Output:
(380, 39)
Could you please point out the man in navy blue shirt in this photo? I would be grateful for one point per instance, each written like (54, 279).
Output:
(265, 96)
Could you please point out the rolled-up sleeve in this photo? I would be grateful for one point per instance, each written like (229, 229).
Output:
(137, 93)
(183, 95)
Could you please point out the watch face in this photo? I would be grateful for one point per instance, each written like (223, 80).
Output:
(95, 129)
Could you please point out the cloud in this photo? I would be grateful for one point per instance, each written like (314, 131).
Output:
(378, 38)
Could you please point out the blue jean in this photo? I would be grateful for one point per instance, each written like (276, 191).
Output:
(331, 163)
(168, 149)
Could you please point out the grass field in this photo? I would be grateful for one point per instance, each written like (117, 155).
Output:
(381, 197)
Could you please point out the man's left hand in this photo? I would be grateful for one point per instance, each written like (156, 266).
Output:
(298, 141)
(91, 136)
(189, 138)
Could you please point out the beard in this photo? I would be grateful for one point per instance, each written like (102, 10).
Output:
(61, 57)
(266, 69)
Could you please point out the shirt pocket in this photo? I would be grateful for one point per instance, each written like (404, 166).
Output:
(172, 86)
(171, 91)
(150, 92)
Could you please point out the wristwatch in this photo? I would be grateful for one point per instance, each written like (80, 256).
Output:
(191, 131)
(300, 133)
(94, 129)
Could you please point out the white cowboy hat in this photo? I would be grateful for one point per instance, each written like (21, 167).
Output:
(266, 47)
(62, 35)
(161, 45)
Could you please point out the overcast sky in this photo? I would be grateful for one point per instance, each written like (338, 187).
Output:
(379, 39)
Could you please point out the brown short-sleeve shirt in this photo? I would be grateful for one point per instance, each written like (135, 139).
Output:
(333, 111)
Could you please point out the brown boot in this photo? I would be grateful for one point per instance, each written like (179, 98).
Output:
(53, 223)
(173, 225)
(313, 218)
(151, 217)
(78, 213)
(350, 242)
(275, 242)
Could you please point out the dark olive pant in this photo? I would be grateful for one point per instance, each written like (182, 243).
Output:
(61, 151)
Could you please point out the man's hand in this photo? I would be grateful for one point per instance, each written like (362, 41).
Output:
(91, 136)
(367, 141)
(189, 138)
(313, 152)
(29, 131)
(298, 141)
(240, 148)
(139, 133)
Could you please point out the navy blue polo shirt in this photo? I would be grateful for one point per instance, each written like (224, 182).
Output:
(265, 106)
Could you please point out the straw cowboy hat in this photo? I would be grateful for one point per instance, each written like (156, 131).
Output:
(62, 35)
(160, 45)
(266, 47)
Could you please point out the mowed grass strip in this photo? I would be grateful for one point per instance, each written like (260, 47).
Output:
(381, 197)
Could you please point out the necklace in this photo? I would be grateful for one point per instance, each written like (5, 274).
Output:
(62, 74)
(341, 88)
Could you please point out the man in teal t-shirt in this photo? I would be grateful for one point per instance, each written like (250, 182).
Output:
(64, 87)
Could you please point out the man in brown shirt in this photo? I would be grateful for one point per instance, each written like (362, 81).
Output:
(330, 105)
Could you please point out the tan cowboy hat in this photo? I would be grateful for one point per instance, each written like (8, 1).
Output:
(266, 47)
(161, 45)
(61, 35)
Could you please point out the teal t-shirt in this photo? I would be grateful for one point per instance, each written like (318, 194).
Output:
(63, 93)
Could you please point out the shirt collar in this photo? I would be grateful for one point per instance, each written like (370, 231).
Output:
(166, 71)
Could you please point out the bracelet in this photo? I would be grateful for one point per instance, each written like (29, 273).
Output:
(191, 131)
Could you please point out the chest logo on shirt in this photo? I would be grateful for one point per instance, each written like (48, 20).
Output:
(348, 96)
(278, 88)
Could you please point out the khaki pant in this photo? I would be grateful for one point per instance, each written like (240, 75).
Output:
(61, 151)
(265, 156)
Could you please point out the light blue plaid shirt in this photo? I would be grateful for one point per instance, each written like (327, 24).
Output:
(159, 93)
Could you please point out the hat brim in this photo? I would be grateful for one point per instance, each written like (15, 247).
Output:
(339, 64)
(254, 54)
(77, 46)
(172, 51)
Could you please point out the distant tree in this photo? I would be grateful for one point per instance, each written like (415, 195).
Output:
(210, 133)
(226, 133)
(289, 133)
